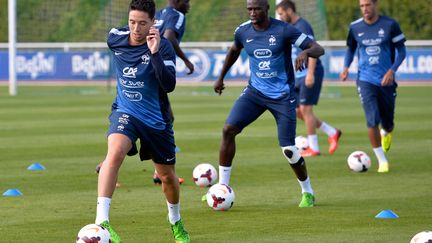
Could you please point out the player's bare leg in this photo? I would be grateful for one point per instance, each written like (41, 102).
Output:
(311, 123)
(228, 146)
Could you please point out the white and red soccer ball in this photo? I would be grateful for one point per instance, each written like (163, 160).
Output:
(422, 237)
(220, 197)
(204, 175)
(93, 233)
(359, 161)
(302, 143)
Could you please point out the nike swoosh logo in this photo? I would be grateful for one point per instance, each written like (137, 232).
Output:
(118, 53)
(168, 160)
(361, 34)
(249, 40)
(292, 101)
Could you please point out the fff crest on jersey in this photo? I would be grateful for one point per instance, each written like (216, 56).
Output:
(272, 40)
(381, 32)
(145, 59)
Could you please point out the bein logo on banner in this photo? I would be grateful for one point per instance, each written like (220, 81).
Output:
(92, 65)
(35, 65)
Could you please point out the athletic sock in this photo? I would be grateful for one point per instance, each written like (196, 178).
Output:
(379, 153)
(313, 142)
(329, 130)
(173, 212)
(383, 132)
(102, 209)
(306, 186)
(224, 174)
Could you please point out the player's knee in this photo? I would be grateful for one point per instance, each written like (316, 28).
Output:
(230, 130)
(292, 154)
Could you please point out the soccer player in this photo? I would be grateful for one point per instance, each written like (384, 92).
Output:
(380, 44)
(145, 70)
(267, 42)
(308, 85)
(171, 22)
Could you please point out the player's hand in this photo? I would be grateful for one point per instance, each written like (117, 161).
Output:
(301, 61)
(388, 78)
(153, 40)
(190, 66)
(309, 80)
(219, 86)
(344, 74)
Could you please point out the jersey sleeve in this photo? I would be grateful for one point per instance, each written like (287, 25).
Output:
(164, 65)
(296, 37)
(396, 34)
(238, 38)
(176, 23)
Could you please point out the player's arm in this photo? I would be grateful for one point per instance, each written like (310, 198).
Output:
(164, 66)
(313, 49)
(398, 39)
(349, 55)
(172, 37)
(310, 77)
(230, 59)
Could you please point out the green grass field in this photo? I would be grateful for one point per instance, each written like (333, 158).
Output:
(64, 128)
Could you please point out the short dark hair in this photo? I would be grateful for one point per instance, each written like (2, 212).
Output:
(147, 6)
(285, 4)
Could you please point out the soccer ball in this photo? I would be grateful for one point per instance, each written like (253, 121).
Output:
(359, 161)
(301, 143)
(220, 197)
(204, 175)
(422, 237)
(93, 233)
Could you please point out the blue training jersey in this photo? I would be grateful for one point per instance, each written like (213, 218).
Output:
(269, 54)
(170, 18)
(376, 47)
(305, 28)
(139, 92)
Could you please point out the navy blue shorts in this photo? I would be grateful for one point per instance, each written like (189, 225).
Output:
(251, 104)
(378, 103)
(157, 145)
(309, 96)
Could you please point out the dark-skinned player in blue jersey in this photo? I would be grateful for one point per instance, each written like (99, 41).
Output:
(145, 71)
(380, 44)
(267, 42)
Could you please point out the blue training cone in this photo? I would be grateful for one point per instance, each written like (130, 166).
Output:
(386, 214)
(12, 193)
(36, 166)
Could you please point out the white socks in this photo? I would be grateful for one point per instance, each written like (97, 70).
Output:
(306, 186)
(102, 209)
(173, 212)
(329, 130)
(224, 174)
(379, 153)
(313, 142)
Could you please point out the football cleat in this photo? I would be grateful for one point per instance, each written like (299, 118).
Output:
(179, 232)
(386, 141)
(383, 167)
(308, 200)
(309, 152)
(333, 141)
(115, 238)
(158, 181)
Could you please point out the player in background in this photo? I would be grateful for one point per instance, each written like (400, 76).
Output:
(308, 86)
(171, 22)
(267, 41)
(145, 71)
(380, 44)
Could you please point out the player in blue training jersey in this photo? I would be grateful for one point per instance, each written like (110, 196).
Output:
(145, 71)
(171, 22)
(308, 85)
(380, 44)
(267, 42)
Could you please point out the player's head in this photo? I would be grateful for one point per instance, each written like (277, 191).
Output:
(141, 18)
(286, 10)
(369, 9)
(180, 5)
(258, 10)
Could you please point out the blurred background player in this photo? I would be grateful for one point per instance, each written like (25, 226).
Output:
(145, 71)
(308, 85)
(171, 22)
(271, 87)
(380, 44)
